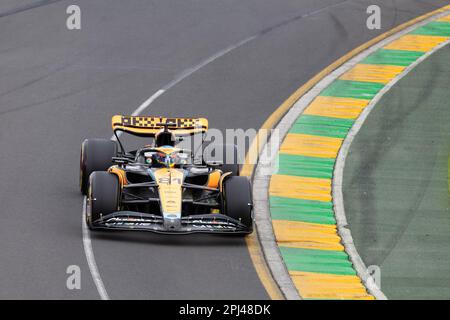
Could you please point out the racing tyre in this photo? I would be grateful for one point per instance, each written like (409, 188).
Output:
(104, 193)
(96, 155)
(237, 200)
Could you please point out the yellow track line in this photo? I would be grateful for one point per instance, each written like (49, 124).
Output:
(253, 244)
(444, 19)
(262, 270)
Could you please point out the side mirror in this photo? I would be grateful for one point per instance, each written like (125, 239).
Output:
(214, 164)
(120, 160)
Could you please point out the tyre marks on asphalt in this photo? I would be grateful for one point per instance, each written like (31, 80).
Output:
(27, 7)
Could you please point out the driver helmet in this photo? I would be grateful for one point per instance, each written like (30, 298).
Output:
(161, 159)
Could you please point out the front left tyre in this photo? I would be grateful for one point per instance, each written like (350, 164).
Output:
(96, 155)
(237, 200)
(103, 195)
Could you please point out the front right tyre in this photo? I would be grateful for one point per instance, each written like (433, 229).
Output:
(237, 200)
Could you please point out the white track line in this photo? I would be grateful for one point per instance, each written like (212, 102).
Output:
(262, 211)
(188, 72)
(87, 243)
(148, 102)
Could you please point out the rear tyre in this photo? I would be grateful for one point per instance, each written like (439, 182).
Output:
(103, 197)
(237, 200)
(96, 155)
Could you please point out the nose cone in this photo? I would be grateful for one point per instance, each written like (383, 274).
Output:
(172, 222)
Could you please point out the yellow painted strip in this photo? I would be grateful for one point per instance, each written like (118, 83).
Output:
(311, 146)
(372, 73)
(307, 235)
(416, 43)
(444, 19)
(329, 286)
(300, 187)
(345, 108)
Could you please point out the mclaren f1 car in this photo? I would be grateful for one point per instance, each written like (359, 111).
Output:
(159, 187)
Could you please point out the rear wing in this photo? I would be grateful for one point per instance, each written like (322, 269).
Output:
(150, 126)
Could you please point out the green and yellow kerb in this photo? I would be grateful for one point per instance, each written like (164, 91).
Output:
(301, 200)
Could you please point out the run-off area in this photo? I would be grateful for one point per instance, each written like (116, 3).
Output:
(396, 188)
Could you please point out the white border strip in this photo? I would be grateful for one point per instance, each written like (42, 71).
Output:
(263, 219)
(87, 245)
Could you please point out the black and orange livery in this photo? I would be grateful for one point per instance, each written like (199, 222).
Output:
(158, 187)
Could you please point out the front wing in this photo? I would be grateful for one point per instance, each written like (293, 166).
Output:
(206, 223)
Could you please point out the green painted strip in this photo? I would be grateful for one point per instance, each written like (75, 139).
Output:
(322, 126)
(301, 166)
(302, 210)
(352, 89)
(401, 58)
(320, 261)
(437, 28)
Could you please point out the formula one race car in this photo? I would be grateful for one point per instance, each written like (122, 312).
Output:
(158, 187)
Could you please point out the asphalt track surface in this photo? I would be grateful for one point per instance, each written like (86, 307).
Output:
(58, 87)
(396, 189)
